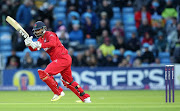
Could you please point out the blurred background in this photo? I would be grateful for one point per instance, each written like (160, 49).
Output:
(114, 44)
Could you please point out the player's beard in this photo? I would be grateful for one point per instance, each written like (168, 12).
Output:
(39, 33)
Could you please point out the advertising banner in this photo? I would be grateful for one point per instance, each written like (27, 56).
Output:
(105, 78)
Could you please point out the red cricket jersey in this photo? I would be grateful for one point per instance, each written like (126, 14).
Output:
(52, 45)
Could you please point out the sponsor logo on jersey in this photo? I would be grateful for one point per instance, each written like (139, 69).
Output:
(51, 35)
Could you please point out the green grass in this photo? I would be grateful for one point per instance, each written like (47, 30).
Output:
(144, 100)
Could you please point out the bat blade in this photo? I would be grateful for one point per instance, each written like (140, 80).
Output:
(17, 26)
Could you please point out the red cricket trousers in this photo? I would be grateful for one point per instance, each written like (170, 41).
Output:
(61, 65)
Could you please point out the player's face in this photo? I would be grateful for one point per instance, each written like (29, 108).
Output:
(38, 32)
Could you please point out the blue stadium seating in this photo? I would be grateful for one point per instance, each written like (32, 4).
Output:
(145, 64)
(60, 16)
(94, 3)
(128, 52)
(128, 19)
(117, 16)
(75, 53)
(126, 15)
(129, 15)
(5, 42)
(90, 42)
(5, 29)
(62, 3)
(4, 61)
(130, 28)
(116, 52)
(6, 35)
(53, 2)
(116, 9)
(6, 53)
(20, 54)
(113, 22)
(128, 35)
(5, 48)
(58, 10)
(134, 54)
(35, 54)
(128, 10)
(165, 60)
(164, 55)
(73, 13)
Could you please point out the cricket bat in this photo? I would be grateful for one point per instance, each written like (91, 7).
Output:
(17, 26)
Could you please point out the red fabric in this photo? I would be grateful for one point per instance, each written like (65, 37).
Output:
(74, 84)
(52, 45)
(73, 89)
(30, 48)
(138, 18)
(42, 74)
(64, 83)
(49, 80)
(61, 65)
(149, 41)
(76, 91)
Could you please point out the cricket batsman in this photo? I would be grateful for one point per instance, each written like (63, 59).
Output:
(61, 62)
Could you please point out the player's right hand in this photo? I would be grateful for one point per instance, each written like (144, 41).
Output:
(28, 41)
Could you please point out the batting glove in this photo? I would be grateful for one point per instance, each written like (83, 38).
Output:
(28, 41)
(36, 44)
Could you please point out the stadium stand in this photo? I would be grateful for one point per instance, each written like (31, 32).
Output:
(69, 16)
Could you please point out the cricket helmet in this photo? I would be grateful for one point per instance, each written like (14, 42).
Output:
(39, 29)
